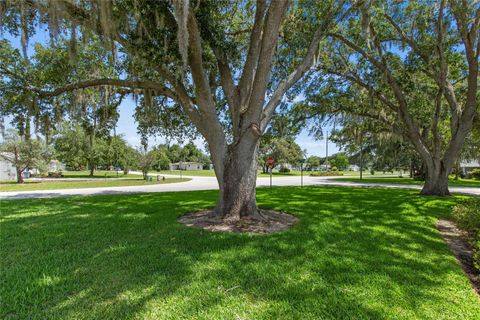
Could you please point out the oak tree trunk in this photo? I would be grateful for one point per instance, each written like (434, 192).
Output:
(436, 179)
(237, 199)
(19, 176)
(92, 168)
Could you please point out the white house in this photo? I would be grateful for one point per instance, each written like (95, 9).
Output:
(7, 169)
(55, 166)
(354, 168)
(186, 166)
(467, 166)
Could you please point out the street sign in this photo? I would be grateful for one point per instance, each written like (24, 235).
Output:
(270, 162)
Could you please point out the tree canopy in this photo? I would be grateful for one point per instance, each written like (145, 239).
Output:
(410, 69)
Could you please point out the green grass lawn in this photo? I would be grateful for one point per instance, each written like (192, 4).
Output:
(98, 174)
(211, 173)
(307, 173)
(276, 173)
(53, 185)
(406, 180)
(195, 173)
(356, 253)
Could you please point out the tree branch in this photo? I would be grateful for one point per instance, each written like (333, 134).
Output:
(300, 71)
(202, 87)
(226, 80)
(412, 131)
(133, 84)
(248, 71)
(268, 45)
(356, 80)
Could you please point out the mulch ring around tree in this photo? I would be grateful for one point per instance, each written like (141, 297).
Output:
(456, 240)
(272, 221)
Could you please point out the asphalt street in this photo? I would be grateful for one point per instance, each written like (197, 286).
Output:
(210, 183)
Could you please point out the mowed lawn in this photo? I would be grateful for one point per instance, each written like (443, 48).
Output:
(356, 253)
(97, 183)
(98, 174)
(211, 173)
(396, 180)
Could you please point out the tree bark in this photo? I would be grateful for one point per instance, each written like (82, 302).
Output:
(436, 179)
(19, 175)
(457, 169)
(237, 199)
(91, 160)
(16, 164)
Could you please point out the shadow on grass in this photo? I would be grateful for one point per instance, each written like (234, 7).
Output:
(356, 253)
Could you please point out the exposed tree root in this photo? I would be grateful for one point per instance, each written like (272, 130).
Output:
(270, 222)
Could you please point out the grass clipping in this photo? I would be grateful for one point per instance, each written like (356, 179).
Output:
(271, 222)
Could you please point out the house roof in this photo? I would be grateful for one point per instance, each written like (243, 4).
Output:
(8, 155)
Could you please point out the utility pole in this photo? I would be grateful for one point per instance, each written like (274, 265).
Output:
(326, 150)
(361, 155)
(302, 161)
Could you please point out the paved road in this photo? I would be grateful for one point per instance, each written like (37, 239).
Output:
(209, 183)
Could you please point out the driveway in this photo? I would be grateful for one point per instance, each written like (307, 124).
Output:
(210, 183)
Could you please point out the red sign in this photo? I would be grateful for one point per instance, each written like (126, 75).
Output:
(270, 162)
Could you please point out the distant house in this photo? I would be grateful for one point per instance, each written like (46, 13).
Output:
(354, 168)
(466, 167)
(55, 166)
(284, 165)
(7, 169)
(186, 166)
(324, 167)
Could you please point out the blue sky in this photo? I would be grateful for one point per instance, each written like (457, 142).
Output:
(128, 127)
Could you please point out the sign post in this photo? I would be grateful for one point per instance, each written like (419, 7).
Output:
(270, 169)
(270, 163)
(301, 170)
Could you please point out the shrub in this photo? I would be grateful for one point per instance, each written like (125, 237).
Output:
(467, 216)
(326, 173)
(419, 176)
(476, 174)
(284, 170)
(372, 172)
(57, 174)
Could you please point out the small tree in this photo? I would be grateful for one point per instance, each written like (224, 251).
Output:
(21, 153)
(128, 159)
(145, 160)
(70, 147)
(313, 162)
(340, 161)
(283, 150)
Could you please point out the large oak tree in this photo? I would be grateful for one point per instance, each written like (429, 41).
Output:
(419, 62)
(227, 64)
